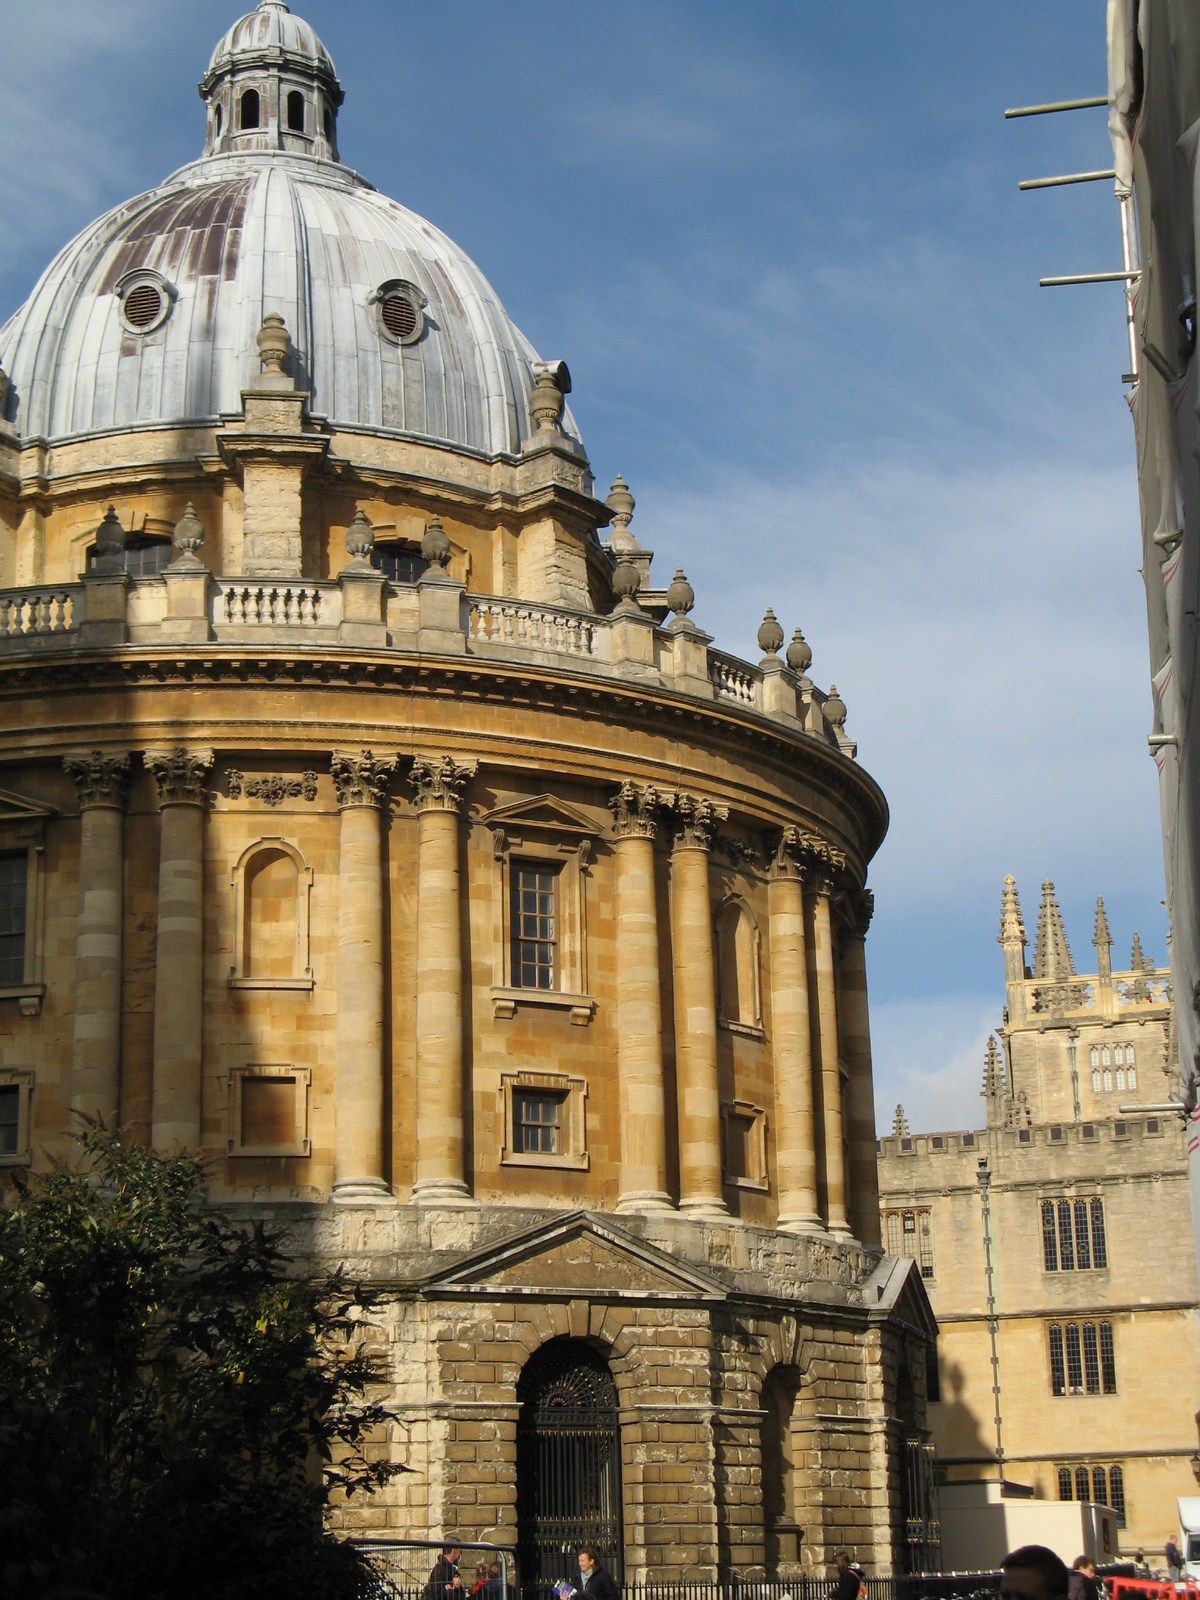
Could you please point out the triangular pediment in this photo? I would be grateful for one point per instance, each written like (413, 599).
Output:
(541, 813)
(896, 1291)
(16, 808)
(576, 1255)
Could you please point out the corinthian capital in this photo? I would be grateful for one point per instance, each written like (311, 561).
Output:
(856, 908)
(439, 782)
(635, 811)
(180, 774)
(361, 777)
(800, 853)
(696, 820)
(99, 778)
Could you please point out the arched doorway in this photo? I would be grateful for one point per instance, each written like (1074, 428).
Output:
(568, 1462)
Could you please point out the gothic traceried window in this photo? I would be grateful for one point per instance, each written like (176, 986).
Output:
(1096, 1082)
(1108, 1083)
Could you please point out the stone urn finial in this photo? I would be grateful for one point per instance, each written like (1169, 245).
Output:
(187, 538)
(770, 635)
(110, 544)
(274, 343)
(799, 656)
(435, 546)
(681, 597)
(546, 402)
(835, 709)
(360, 541)
(620, 504)
(626, 581)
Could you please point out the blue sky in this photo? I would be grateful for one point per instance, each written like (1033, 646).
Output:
(782, 248)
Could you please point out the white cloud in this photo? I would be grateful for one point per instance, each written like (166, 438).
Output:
(929, 1058)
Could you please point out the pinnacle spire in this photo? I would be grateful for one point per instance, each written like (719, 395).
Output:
(900, 1123)
(1012, 927)
(1101, 934)
(993, 1070)
(1051, 953)
(1137, 961)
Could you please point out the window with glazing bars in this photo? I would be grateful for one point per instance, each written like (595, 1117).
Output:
(1108, 1364)
(1082, 1360)
(534, 925)
(1058, 1371)
(1116, 1499)
(10, 1119)
(1081, 1483)
(536, 1120)
(14, 873)
(925, 1222)
(1075, 1486)
(1073, 1238)
(1091, 1359)
(1064, 1484)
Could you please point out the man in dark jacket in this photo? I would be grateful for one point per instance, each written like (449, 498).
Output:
(1084, 1585)
(849, 1578)
(444, 1581)
(594, 1582)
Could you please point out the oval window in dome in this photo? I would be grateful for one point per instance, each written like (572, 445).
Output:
(144, 300)
(143, 304)
(399, 311)
(399, 316)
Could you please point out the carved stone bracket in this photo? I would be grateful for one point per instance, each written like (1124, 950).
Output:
(180, 774)
(99, 779)
(361, 777)
(696, 820)
(439, 782)
(274, 790)
(635, 811)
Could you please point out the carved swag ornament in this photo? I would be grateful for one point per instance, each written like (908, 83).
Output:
(274, 790)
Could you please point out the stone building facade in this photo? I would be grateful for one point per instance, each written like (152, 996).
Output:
(366, 824)
(1055, 1243)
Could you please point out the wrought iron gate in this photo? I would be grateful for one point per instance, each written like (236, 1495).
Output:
(922, 1524)
(568, 1463)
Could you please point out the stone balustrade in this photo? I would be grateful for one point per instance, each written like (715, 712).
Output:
(44, 613)
(275, 604)
(515, 623)
(735, 680)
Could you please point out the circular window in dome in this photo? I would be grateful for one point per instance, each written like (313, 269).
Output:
(400, 311)
(145, 301)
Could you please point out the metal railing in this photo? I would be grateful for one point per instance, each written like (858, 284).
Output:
(399, 1582)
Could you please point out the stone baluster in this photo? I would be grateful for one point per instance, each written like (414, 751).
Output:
(831, 1156)
(700, 1178)
(179, 951)
(791, 1039)
(639, 1005)
(441, 1177)
(96, 1045)
(856, 1047)
(360, 779)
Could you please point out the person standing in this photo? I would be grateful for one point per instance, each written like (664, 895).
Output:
(1084, 1585)
(593, 1580)
(1174, 1560)
(444, 1582)
(850, 1583)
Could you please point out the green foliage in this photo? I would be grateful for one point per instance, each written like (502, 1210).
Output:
(174, 1407)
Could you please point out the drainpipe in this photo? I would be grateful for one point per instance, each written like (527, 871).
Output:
(1073, 1059)
(984, 1179)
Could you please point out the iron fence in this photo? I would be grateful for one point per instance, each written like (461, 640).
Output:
(917, 1586)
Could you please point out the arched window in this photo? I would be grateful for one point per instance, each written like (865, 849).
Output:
(295, 111)
(1120, 1080)
(568, 1463)
(218, 118)
(271, 885)
(778, 1468)
(1095, 1056)
(737, 944)
(249, 109)
(327, 121)
(1131, 1077)
(144, 558)
(1107, 1082)
(1104, 1057)
(1095, 1083)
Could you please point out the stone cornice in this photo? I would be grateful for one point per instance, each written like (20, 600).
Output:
(181, 774)
(99, 778)
(723, 727)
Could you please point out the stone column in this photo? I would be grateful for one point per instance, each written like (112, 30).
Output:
(179, 951)
(96, 1047)
(441, 1142)
(825, 1038)
(360, 779)
(863, 1175)
(791, 1038)
(700, 1190)
(639, 1005)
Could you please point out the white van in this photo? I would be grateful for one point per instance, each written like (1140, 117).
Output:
(1189, 1534)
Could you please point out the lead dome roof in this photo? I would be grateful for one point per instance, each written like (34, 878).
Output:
(239, 234)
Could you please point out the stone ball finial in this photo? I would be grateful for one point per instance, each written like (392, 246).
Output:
(435, 546)
(681, 597)
(274, 342)
(620, 503)
(835, 709)
(546, 402)
(626, 581)
(360, 539)
(799, 656)
(188, 535)
(110, 543)
(770, 634)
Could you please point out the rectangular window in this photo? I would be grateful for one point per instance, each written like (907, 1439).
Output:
(740, 1159)
(268, 1112)
(1064, 1484)
(534, 936)
(1074, 1361)
(1091, 1358)
(536, 1122)
(1099, 1244)
(910, 1235)
(968, 1141)
(926, 1235)
(1099, 1487)
(933, 1377)
(1066, 1251)
(1058, 1371)
(14, 875)
(1108, 1364)
(1083, 1254)
(1116, 1483)
(893, 1233)
(1049, 1237)
(10, 1119)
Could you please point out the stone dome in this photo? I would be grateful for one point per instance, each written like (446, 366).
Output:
(149, 316)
